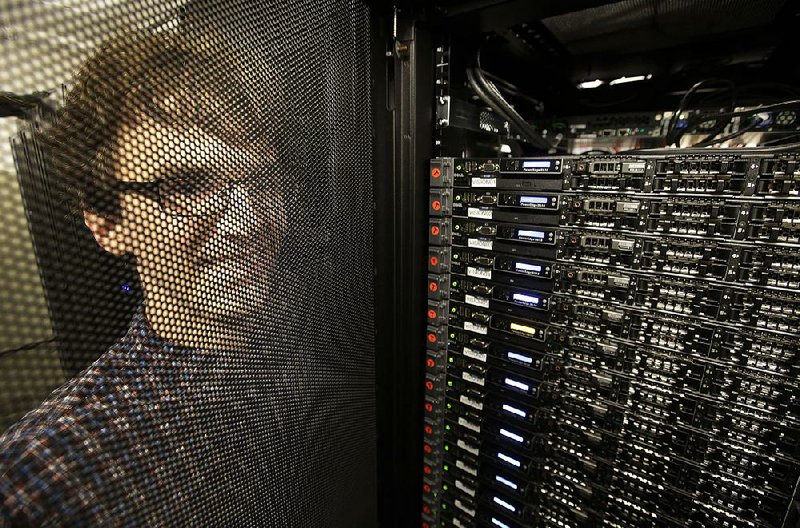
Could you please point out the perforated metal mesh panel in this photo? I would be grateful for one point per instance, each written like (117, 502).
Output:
(186, 249)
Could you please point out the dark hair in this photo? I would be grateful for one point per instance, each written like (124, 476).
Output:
(130, 75)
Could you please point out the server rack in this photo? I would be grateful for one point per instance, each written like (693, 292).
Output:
(607, 343)
(610, 338)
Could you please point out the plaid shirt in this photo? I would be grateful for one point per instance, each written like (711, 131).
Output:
(155, 434)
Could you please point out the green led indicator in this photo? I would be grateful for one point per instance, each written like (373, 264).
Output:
(458, 167)
(449, 383)
(445, 487)
(453, 336)
(446, 467)
(457, 227)
(458, 197)
(455, 256)
(446, 447)
(453, 309)
(455, 283)
(447, 427)
(449, 405)
(449, 360)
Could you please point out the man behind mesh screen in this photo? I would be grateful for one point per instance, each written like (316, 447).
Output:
(169, 160)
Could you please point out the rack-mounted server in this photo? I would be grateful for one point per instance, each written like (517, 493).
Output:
(612, 341)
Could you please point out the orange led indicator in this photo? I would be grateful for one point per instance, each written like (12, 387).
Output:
(427, 448)
(433, 286)
(436, 172)
(429, 407)
(431, 363)
(432, 337)
(436, 205)
(428, 429)
(434, 261)
(429, 385)
(435, 230)
(431, 314)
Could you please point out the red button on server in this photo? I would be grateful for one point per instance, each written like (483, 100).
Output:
(431, 363)
(434, 261)
(435, 230)
(432, 286)
(436, 205)
(431, 314)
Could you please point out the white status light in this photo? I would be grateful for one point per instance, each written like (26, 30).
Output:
(635, 78)
(590, 84)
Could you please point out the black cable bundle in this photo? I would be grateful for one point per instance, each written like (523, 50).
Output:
(491, 96)
(674, 135)
(721, 119)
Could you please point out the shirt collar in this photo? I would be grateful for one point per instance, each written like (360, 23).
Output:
(140, 332)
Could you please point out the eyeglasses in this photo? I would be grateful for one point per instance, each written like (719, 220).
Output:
(191, 194)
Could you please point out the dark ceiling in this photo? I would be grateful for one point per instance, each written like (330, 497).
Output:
(546, 47)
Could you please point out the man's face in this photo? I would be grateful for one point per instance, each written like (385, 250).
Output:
(212, 271)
